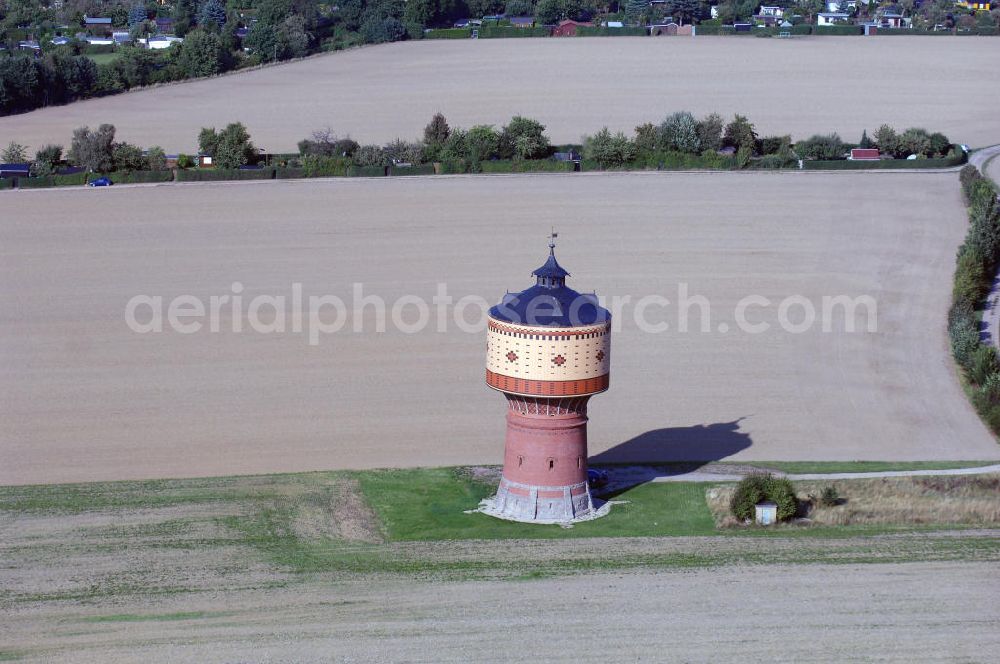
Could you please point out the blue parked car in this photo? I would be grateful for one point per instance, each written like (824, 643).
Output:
(597, 478)
(100, 182)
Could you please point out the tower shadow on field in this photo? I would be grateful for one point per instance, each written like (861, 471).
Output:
(670, 451)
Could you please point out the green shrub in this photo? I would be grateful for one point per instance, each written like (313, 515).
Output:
(984, 364)
(829, 497)
(416, 169)
(837, 30)
(492, 32)
(449, 33)
(757, 487)
(963, 332)
(123, 177)
(366, 171)
(821, 147)
(600, 31)
(527, 166)
(968, 176)
(957, 157)
(6, 183)
(74, 179)
(210, 175)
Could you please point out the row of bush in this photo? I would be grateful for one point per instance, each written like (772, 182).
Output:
(976, 264)
(956, 157)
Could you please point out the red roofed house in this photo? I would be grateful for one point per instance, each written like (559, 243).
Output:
(864, 154)
(567, 28)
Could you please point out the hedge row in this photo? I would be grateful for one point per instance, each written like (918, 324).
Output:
(596, 31)
(838, 30)
(122, 177)
(209, 175)
(860, 165)
(416, 169)
(6, 183)
(449, 33)
(527, 166)
(668, 161)
(326, 171)
(975, 268)
(491, 32)
(366, 171)
(74, 179)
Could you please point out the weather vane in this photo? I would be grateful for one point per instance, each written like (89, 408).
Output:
(552, 239)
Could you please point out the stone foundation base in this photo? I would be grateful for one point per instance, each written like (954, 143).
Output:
(542, 504)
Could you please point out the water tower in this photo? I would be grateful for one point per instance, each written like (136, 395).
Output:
(548, 349)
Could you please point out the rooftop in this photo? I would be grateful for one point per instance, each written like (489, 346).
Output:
(550, 302)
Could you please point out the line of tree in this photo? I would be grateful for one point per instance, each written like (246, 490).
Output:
(976, 264)
(521, 138)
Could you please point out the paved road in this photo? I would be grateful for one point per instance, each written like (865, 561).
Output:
(631, 475)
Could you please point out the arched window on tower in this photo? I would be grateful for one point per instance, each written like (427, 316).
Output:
(552, 463)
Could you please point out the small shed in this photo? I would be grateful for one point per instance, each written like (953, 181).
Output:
(766, 512)
(567, 28)
(864, 154)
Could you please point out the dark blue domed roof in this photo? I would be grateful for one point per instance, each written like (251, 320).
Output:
(550, 302)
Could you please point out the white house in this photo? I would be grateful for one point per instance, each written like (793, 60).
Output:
(157, 42)
(767, 10)
(100, 41)
(832, 18)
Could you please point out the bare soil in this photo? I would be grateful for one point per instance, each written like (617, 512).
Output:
(84, 398)
(802, 86)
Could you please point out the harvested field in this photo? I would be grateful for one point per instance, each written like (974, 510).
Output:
(272, 568)
(84, 398)
(573, 86)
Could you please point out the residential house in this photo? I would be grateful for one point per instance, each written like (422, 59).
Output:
(98, 26)
(832, 18)
(99, 41)
(121, 37)
(522, 22)
(975, 5)
(158, 42)
(164, 26)
(29, 45)
(767, 10)
(890, 18)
